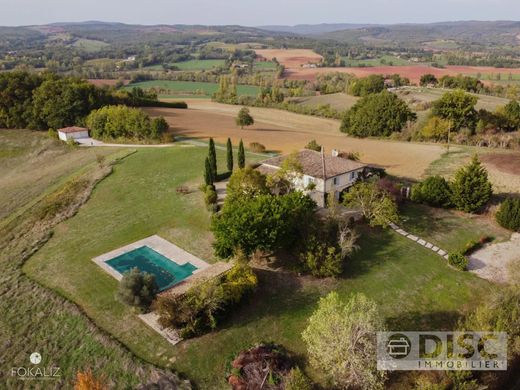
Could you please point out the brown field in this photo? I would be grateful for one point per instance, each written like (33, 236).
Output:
(413, 72)
(286, 132)
(293, 59)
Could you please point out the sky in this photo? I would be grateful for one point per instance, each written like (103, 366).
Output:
(255, 12)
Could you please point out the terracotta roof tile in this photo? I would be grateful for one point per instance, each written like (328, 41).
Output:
(312, 164)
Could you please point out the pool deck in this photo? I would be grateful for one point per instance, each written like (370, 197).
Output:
(172, 252)
(158, 244)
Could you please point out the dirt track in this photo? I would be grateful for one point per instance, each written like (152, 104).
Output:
(286, 132)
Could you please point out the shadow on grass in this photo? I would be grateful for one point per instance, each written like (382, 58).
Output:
(419, 219)
(278, 293)
(420, 321)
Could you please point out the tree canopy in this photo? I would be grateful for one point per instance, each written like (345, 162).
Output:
(244, 118)
(471, 187)
(341, 341)
(112, 122)
(377, 115)
(264, 222)
(458, 108)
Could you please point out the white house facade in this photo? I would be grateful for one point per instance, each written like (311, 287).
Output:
(321, 175)
(72, 133)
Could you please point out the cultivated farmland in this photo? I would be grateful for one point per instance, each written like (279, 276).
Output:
(186, 89)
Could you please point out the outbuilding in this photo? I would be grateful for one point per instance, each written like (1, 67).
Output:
(73, 132)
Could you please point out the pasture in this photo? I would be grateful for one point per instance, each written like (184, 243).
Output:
(191, 65)
(380, 61)
(338, 101)
(168, 89)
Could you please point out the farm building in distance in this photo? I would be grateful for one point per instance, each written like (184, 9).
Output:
(72, 133)
(321, 174)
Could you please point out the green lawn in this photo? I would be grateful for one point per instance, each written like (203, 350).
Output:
(265, 65)
(415, 288)
(448, 229)
(184, 89)
(136, 201)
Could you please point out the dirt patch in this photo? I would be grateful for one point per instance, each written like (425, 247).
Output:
(286, 132)
(508, 163)
(492, 262)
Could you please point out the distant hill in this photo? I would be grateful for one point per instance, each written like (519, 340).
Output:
(435, 35)
(314, 29)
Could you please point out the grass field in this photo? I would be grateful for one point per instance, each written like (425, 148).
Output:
(31, 164)
(380, 61)
(185, 89)
(90, 45)
(33, 317)
(419, 94)
(265, 65)
(338, 101)
(415, 288)
(192, 65)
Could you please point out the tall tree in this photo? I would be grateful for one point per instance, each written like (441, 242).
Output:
(376, 204)
(229, 155)
(212, 156)
(241, 155)
(208, 177)
(341, 341)
(458, 108)
(244, 118)
(377, 115)
(471, 187)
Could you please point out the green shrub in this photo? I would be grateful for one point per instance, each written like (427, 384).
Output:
(473, 245)
(508, 214)
(202, 306)
(471, 187)
(296, 380)
(137, 288)
(210, 196)
(112, 122)
(51, 133)
(322, 260)
(313, 145)
(458, 260)
(434, 191)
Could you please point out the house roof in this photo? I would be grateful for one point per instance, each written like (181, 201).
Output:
(312, 164)
(72, 129)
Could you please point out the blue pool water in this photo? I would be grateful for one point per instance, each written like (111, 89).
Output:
(167, 273)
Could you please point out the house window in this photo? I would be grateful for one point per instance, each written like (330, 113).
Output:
(335, 181)
(353, 176)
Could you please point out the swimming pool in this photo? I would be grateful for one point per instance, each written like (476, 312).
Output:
(167, 272)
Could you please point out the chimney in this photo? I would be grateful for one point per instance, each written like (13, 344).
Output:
(335, 152)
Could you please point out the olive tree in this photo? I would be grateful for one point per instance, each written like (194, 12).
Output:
(341, 341)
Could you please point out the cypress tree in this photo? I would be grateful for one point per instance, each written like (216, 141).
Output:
(229, 155)
(471, 187)
(241, 155)
(212, 156)
(208, 179)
